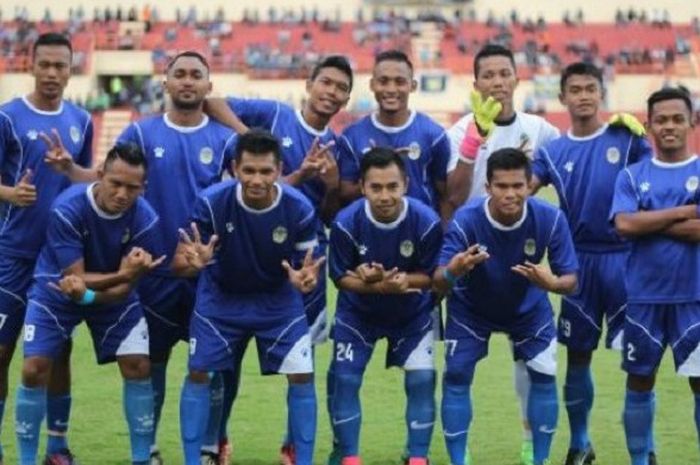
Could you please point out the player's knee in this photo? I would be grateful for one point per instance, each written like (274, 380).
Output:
(35, 371)
(538, 377)
(640, 383)
(458, 377)
(134, 367)
(160, 356)
(348, 381)
(6, 353)
(578, 358)
(420, 381)
(694, 384)
(300, 378)
(198, 377)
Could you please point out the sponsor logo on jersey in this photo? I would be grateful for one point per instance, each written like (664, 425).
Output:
(287, 142)
(32, 134)
(158, 152)
(645, 186)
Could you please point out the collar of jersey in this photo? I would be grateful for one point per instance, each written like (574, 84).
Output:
(393, 224)
(503, 227)
(42, 112)
(239, 199)
(597, 133)
(392, 129)
(185, 129)
(507, 122)
(308, 128)
(678, 164)
(101, 213)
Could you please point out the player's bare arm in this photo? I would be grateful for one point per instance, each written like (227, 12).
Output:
(74, 287)
(22, 194)
(540, 275)
(459, 183)
(687, 231)
(305, 278)
(650, 222)
(461, 264)
(61, 161)
(192, 255)
(218, 109)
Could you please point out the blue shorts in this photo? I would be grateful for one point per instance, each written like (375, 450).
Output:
(600, 296)
(15, 278)
(649, 328)
(167, 303)
(532, 335)
(219, 337)
(116, 330)
(410, 347)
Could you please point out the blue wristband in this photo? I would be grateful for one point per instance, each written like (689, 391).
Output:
(449, 277)
(87, 298)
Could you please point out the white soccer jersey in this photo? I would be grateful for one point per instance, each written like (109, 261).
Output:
(526, 131)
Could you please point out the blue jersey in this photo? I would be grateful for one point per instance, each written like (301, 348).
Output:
(411, 243)
(660, 269)
(427, 152)
(182, 161)
(79, 229)
(294, 134)
(492, 290)
(583, 171)
(252, 243)
(22, 229)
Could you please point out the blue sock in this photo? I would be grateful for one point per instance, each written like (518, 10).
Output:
(638, 418)
(2, 414)
(697, 416)
(456, 411)
(158, 377)
(57, 414)
(347, 412)
(651, 444)
(210, 441)
(194, 413)
(29, 414)
(330, 394)
(301, 403)
(138, 409)
(420, 410)
(232, 381)
(578, 396)
(542, 413)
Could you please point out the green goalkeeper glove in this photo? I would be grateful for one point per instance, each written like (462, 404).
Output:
(629, 121)
(485, 112)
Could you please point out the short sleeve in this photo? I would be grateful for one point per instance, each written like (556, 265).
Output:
(306, 236)
(343, 255)
(255, 113)
(64, 237)
(561, 253)
(455, 241)
(430, 243)
(203, 217)
(455, 135)
(84, 158)
(131, 135)
(229, 155)
(540, 166)
(625, 199)
(548, 133)
(440, 151)
(348, 160)
(641, 150)
(146, 235)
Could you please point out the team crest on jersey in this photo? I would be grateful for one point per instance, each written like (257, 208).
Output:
(74, 134)
(279, 235)
(126, 236)
(530, 247)
(414, 151)
(287, 142)
(206, 155)
(158, 152)
(32, 134)
(691, 184)
(612, 155)
(406, 248)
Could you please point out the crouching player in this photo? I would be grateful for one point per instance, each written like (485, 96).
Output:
(491, 263)
(99, 237)
(245, 234)
(384, 249)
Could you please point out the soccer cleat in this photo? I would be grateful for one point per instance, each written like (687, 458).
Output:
(351, 460)
(527, 453)
(288, 455)
(62, 457)
(418, 461)
(155, 459)
(652, 458)
(334, 458)
(209, 458)
(225, 452)
(580, 457)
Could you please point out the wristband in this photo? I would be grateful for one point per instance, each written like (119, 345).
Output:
(449, 277)
(469, 148)
(87, 298)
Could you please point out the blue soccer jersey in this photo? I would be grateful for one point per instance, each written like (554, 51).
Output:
(660, 269)
(427, 152)
(182, 161)
(22, 229)
(252, 243)
(492, 290)
(79, 229)
(583, 171)
(411, 243)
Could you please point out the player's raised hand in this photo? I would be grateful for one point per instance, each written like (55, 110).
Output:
(485, 112)
(57, 157)
(628, 121)
(538, 274)
(370, 272)
(306, 277)
(24, 192)
(464, 262)
(313, 161)
(72, 286)
(197, 253)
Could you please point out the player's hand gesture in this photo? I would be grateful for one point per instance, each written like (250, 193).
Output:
(464, 262)
(57, 157)
(306, 277)
(369, 272)
(197, 253)
(24, 192)
(72, 286)
(485, 112)
(328, 172)
(538, 274)
(137, 262)
(314, 160)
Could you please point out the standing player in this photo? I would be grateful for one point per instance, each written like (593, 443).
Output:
(247, 288)
(383, 251)
(656, 207)
(45, 143)
(99, 238)
(395, 125)
(494, 124)
(583, 165)
(186, 146)
(308, 163)
(518, 231)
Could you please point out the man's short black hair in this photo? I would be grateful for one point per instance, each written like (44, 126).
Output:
(338, 62)
(52, 39)
(258, 141)
(508, 159)
(669, 93)
(491, 50)
(580, 69)
(127, 152)
(393, 55)
(188, 53)
(381, 157)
